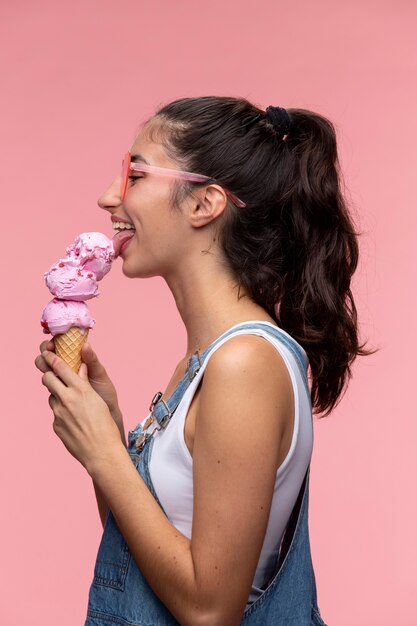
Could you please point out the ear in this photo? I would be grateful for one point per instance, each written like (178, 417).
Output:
(208, 203)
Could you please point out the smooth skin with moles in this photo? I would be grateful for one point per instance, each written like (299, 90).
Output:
(205, 580)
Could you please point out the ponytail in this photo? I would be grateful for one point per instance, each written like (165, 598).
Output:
(316, 305)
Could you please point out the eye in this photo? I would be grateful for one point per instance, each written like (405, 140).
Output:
(135, 177)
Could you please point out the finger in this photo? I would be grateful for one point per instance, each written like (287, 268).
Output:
(55, 386)
(95, 368)
(40, 361)
(41, 364)
(47, 345)
(83, 372)
(51, 401)
(61, 369)
(89, 356)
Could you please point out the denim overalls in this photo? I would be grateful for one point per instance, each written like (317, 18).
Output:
(119, 594)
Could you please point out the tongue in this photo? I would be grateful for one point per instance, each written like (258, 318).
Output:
(120, 238)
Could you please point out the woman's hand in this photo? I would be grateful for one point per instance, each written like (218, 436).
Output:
(97, 376)
(83, 420)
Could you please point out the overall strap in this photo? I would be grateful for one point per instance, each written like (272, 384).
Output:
(292, 524)
(289, 596)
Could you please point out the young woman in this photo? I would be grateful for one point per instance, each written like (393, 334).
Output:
(205, 506)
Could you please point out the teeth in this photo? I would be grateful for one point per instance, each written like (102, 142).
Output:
(122, 226)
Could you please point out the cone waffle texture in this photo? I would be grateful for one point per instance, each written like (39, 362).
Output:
(68, 346)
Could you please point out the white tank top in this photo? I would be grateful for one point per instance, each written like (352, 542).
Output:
(174, 487)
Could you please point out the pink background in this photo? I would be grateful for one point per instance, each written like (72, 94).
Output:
(77, 80)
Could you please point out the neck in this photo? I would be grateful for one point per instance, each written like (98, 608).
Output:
(207, 301)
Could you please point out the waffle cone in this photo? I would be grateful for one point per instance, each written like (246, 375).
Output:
(68, 346)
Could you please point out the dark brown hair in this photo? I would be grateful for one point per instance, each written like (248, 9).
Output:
(294, 246)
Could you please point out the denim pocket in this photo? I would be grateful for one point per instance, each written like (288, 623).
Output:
(113, 557)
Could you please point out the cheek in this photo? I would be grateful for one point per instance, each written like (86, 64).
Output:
(148, 205)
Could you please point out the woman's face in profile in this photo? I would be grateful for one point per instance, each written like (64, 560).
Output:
(160, 232)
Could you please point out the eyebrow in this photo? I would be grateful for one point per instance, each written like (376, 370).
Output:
(138, 157)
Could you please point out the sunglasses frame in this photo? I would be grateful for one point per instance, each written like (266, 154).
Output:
(128, 166)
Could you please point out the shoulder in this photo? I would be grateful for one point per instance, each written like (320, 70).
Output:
(249, 376)
(251, 356)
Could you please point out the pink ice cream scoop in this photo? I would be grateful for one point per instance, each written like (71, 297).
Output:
(88, 259)
(94, 252)
(60, 315)
(70, 282)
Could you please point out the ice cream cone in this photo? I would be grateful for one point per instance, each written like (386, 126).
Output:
(68, 346)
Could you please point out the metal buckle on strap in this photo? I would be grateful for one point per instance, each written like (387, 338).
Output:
(141, 440)
(164, 421)
(155, 400)
(144, 436)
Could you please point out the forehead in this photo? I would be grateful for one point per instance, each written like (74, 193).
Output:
(149, 146)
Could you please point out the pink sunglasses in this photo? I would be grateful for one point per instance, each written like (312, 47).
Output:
(128, 166)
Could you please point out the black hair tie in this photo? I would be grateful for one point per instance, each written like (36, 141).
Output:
(279, 119)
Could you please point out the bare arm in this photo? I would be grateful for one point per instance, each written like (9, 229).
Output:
(101, 501)
(245, 403)
(102, 384)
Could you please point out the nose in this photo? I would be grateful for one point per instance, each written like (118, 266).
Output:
(110, 199)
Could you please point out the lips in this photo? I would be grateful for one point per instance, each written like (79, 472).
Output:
(114, 218)
(120, 239)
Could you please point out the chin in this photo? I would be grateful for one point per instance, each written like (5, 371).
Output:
(136, 272)
(129, 272)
